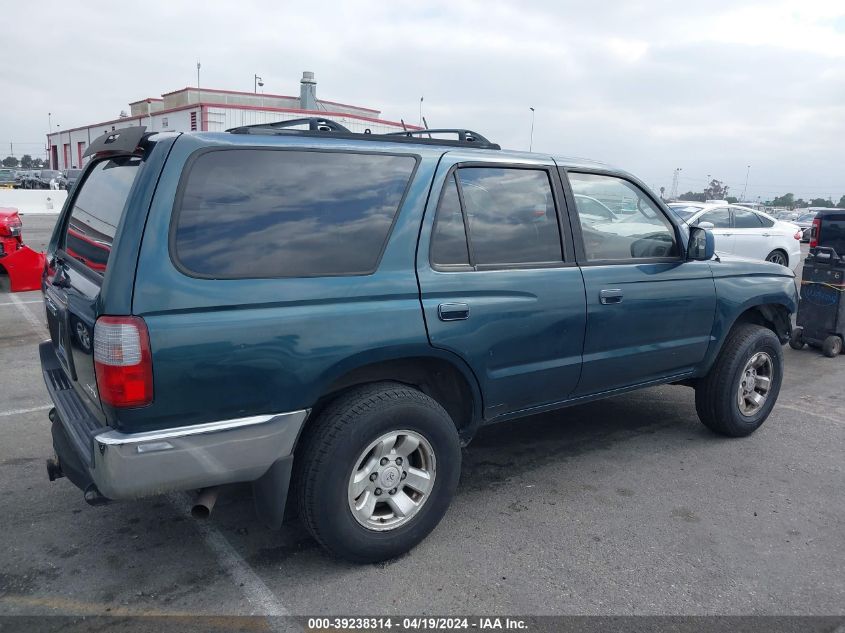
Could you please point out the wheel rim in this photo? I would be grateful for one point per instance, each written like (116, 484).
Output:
(755, 383)
(777, 258)
(391, 480)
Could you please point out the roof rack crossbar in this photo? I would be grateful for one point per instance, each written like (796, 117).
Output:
(318, 126)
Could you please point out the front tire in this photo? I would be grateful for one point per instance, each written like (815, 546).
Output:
(739, 392)
(377, 472)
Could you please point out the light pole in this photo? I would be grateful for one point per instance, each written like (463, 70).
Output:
(531, 138)
(745, 188)
(256, 83)
(49, 131)
(421, 120)
(199, 92)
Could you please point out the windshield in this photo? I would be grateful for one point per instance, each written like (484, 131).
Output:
(6, 174)
(49, 173)
(806, 217)
(73, 173)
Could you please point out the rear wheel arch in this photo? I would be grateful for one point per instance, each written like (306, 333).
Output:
(454, 388)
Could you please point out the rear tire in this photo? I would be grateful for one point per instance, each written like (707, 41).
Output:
(739, 392)
(777, 256)
(362, 441)
(832, 346)
(796, 339)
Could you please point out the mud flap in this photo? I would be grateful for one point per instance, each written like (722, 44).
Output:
(270, 492)
(24, 267)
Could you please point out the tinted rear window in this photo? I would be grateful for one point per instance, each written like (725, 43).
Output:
(270, 213)
(97, 210)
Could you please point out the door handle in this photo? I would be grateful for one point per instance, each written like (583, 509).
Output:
(727, 234)
(610, 296)
(453, 311)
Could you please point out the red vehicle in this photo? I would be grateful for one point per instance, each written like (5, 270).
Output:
(23, 265)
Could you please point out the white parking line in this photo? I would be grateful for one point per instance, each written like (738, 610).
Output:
(29, 316)
(12, 303)
(42, 407)
(255, 591)
(830, 418)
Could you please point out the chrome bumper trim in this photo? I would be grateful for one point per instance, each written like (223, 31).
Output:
(132, 465)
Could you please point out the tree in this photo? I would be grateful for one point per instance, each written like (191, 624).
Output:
(841, 203)
(800, 203)
(26, 161)
(732, 199)
(692, 197)
(10, 161)
(787, 200)
(37, 163)
(716, 190)
(820, 202)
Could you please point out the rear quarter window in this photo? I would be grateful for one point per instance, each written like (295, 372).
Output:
(96, 211)
(259, 213)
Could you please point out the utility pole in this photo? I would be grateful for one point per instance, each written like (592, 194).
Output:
(744, 189)
(531, 138)
(421, 117)
(199, 92)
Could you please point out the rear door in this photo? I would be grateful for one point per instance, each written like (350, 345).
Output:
(77, 268)
(498, 280)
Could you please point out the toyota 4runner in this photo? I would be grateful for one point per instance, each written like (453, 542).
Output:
(331, 316)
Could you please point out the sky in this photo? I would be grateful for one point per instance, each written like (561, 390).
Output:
(647, 85)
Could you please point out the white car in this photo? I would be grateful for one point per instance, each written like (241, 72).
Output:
(745, 232)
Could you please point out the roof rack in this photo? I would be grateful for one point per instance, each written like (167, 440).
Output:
(318, 126)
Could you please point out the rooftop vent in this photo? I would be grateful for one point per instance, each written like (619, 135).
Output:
(308, 91)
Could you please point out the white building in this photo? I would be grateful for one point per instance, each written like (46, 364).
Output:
(205, 109)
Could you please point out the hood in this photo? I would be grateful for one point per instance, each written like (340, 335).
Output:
(733, 265)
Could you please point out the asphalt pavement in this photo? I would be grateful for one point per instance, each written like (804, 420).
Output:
(625, 506)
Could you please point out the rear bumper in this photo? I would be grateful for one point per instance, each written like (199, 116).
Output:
(131, 465)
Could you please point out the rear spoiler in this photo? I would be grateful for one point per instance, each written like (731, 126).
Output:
(123, 141)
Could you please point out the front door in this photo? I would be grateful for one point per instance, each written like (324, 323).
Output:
(649, 312)
(749, 238)
(718, 222)
(498, 281)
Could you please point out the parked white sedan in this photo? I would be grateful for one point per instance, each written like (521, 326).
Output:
(742, 231)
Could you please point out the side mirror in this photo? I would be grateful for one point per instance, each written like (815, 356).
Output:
(706, 225)
(702, 244)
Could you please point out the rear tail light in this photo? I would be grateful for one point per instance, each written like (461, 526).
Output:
(10, 225)
(816, 233)
(123, 362)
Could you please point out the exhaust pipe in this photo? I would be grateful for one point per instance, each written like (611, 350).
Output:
(204, 503)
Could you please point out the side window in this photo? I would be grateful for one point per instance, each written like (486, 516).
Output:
(719, 218)
(766, 222)
(511, 215)
(745, 219)
(255, 213)
(631, 225)
(449, 239)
